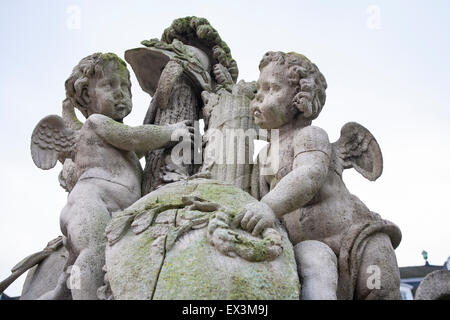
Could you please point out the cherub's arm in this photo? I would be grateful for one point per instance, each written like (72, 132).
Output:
(138, 139)
(312, 152)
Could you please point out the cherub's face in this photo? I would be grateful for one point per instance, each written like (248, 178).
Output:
(110, 95)
(272, 106)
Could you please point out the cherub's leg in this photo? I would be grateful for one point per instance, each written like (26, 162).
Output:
(89, 275)
(317, 267)
(85, 220)
(379, 277)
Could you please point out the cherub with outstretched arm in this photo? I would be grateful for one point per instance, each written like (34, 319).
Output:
(343, 250)
(101, 166)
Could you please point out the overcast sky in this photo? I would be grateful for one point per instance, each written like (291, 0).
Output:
(386, 64)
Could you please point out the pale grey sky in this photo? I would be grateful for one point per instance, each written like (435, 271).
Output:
(386, 64)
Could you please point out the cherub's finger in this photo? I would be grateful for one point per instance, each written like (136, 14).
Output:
(238, 218)
(248, 215)
(262, 225)
(226, 236)
(253, 222)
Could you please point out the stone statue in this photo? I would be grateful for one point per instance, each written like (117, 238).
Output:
(104, 174)
(338, 241)
(208, 227)
(175, 71)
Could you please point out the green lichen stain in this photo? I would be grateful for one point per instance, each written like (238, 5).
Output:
(302, 57)
(227, 195)
(112, 57)
(192, 268)
(258, 248)
(131, 267)
(188, 268)
(191, 27)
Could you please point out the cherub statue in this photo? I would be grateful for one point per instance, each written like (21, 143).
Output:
(101, 163)
(343, 250)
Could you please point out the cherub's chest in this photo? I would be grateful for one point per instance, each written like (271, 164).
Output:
(93, 151)
(279, 162)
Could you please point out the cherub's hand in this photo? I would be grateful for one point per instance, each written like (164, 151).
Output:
(182, 129)
(258, 216)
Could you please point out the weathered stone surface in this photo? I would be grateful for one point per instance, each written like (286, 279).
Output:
(435, 286)
(179, 261)
(190, 58)
(43, 277)
(230, 134)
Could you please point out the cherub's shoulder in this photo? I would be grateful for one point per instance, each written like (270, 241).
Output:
(311, 138)
(95, 120)
(312, 132)
(97, 123)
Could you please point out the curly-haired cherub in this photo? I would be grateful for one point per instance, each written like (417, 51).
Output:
(343, 250)
(101, 167)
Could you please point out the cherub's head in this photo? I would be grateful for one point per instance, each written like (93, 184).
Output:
(289, 86)
(100, 83)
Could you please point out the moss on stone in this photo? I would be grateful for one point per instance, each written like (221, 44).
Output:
(192, 268)
(191, 29)
(108, 57)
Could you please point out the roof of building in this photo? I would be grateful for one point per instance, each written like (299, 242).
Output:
(417, 271)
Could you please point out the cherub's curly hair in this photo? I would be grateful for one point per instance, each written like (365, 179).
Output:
(78, 82)
(305, 76)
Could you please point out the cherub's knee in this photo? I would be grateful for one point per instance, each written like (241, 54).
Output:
(379, 283)
(379, 276)
(314, 257)
(317, 268)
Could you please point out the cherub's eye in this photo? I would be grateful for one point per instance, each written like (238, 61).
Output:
(276, 87)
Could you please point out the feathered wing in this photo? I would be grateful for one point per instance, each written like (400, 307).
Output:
(357, 148)
(70, 117)
(52, 141)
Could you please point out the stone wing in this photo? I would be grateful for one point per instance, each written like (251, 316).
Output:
(357, 148)
(52, 141)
